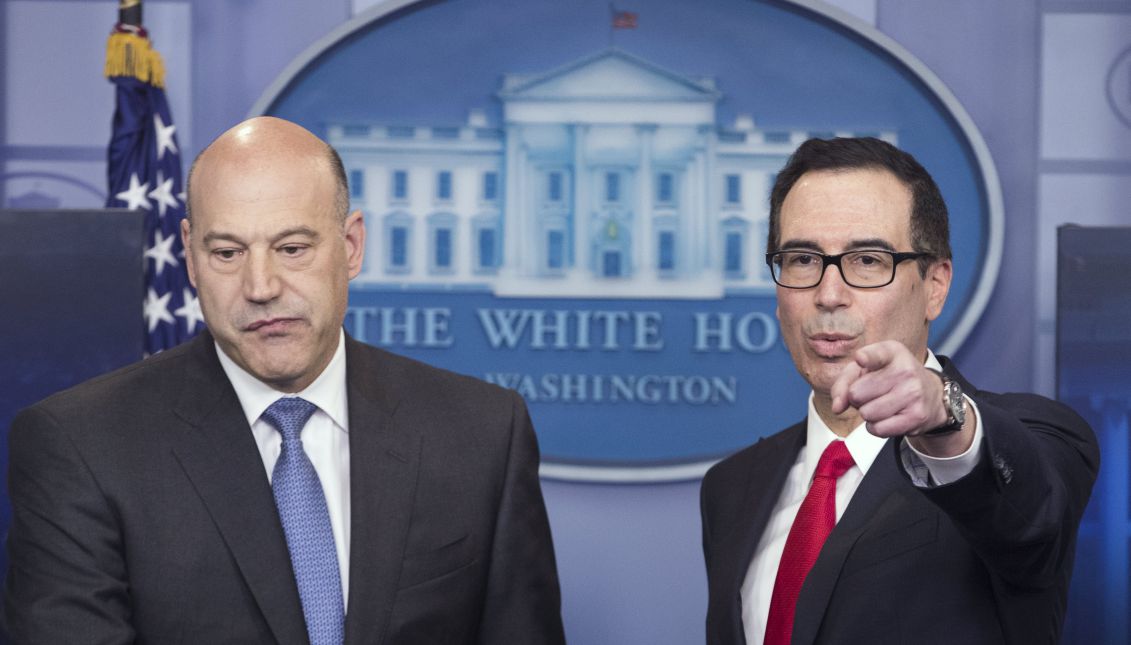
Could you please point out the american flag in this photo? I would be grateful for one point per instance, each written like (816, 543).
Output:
(144, 172)
(623, 19)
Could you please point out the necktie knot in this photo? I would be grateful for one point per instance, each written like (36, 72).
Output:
(288, 415)
(835, 461)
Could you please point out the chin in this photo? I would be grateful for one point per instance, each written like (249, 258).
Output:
(822, 375)
(277, 372)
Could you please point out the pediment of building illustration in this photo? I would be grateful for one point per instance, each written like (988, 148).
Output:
(610, 75)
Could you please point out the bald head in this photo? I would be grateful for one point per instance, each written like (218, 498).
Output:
(267, 144)
(271, 249)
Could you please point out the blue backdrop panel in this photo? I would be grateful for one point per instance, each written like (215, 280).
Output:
(1094, 377)
(71, 292)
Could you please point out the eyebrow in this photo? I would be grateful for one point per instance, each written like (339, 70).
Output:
(871, 243)
(214, 236)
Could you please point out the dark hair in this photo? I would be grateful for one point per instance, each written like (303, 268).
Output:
(337, 169)
(930, 231)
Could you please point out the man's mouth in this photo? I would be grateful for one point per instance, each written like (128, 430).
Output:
(832, 345)
(270, 325)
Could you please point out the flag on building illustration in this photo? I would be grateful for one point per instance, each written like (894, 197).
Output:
(144, 173)
(623, 19)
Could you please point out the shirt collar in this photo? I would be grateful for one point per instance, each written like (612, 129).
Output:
(328, 391)
(862, 445)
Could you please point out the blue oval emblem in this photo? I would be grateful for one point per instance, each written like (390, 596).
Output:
(574, 204)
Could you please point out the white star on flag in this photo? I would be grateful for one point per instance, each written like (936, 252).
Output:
(190, 311)
(163, 194)
(157, 309)
(135, 195)
(162, 251)
(164, 136)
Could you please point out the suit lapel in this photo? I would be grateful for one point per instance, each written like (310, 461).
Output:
(871, 507)
(384, 461)
(768, 471)
(220, 457)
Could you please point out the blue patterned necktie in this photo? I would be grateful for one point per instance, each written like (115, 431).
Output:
(306, 523)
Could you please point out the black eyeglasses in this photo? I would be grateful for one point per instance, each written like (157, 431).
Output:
(863, 269)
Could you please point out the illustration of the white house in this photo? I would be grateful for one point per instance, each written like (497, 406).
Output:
(610, 177)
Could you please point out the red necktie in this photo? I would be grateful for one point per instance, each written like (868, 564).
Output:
(815, 520)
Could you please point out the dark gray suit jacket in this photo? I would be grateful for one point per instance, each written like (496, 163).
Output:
(141, 512)
(986, 559)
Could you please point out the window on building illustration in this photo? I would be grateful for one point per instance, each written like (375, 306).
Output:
(486, 244)
(398, 247)
(444, 185)
(357, 184)
(488, 253)
(555, 250)
(667, 251)
(733, 262)
(490, 186)
(442, 253)
(400, 184)
(664, 188)
(554, 186)
(734, 189)
(777, 136)
(612, 186)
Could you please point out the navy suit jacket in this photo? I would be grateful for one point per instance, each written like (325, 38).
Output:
(142, 512)
(986, 559)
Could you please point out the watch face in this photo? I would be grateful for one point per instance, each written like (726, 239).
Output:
(954, 402)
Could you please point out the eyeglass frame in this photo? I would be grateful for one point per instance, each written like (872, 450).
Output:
(897, 257)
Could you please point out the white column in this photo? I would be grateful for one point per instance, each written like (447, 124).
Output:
(513, 208)
(697, 212)
(643, 243)
(580, 206)
(527, 233)
(710, 192)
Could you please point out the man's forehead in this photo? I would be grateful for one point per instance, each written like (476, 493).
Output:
(832, 210)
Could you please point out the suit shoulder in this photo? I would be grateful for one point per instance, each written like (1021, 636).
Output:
(413, 377)
(739, 464)
(149, 375)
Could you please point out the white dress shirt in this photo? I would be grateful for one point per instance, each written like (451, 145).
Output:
(325, 438)
(758, 586)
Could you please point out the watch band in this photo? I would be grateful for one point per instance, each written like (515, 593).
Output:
(955, 404)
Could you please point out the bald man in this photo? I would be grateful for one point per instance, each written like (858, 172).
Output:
(274, 480)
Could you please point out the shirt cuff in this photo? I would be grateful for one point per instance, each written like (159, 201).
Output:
(927, 472)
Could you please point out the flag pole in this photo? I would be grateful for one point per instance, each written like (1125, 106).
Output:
(612, 24)
(129, 12)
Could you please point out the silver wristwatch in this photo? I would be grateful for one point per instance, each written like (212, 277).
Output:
(954, 403)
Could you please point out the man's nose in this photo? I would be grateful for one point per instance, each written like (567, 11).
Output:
(260, 278)
(832, 292)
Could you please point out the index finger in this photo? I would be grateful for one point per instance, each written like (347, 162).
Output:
(876, 356)
(839, 390)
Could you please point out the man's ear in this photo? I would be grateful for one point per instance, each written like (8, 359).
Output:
(937, 283)
(354, 230)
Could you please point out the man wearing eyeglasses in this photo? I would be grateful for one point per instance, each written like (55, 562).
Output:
(909, 506)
